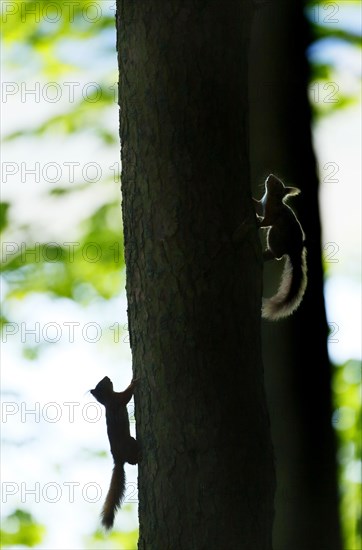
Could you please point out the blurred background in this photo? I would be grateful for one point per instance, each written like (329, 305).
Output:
(64, 311)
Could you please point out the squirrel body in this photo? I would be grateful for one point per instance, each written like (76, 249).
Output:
(285, 237)
(124, 447)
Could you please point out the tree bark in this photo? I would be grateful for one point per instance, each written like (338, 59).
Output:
(298, 373)
(206, 479)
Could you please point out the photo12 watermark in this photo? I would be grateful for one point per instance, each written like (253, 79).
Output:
(52, 252)
(54, 12)
(70, 91)
(52, 412)
(53, 332)
(53, 172)
(53, 492)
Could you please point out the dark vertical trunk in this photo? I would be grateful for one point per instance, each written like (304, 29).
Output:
(206, 480)
(298, 374)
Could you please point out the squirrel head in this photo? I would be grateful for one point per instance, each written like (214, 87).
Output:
(103, 390)
(276, 188)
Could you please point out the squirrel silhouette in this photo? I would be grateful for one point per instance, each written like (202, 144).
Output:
(124, 448)
(285, 237)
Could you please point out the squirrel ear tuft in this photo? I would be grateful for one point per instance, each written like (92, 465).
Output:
(291, 191)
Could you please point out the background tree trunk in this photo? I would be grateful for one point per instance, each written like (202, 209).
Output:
(193, 260)
(298, 374)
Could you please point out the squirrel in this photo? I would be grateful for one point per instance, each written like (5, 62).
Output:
(285, 237)
(124, 448)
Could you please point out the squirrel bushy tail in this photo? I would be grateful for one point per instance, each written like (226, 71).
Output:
(115, 495)
(291, 290)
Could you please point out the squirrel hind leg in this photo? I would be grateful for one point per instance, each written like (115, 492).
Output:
(134, 452)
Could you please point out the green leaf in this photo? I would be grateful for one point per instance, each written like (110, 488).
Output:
(4, 208)
(20, 528)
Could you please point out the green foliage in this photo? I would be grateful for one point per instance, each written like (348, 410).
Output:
(347, 420)
(20, 528)
(126, 540)
(31, 353)
(4, 207)
(93, 267)
(42, 26)
(41, 42)
(328, 93)
(85, 114)
(320, 32)
(326, 96)
(87, 268)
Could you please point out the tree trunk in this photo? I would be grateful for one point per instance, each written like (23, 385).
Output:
(206, 479)
(298, 374)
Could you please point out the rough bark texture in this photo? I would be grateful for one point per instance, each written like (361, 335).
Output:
(193, 260)
(298, 374)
